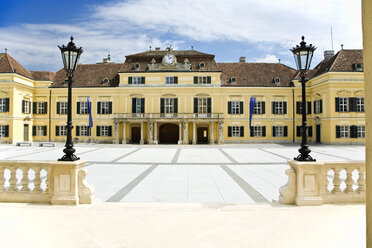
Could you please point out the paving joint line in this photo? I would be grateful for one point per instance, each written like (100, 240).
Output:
(176, 156)
(130, 186)
(228, 156)
(333, 155)
(273, 153)
(79, 153)
(33, 153)
(125, 155)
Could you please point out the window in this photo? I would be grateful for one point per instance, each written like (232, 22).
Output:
(104, 131)
(62, 108)
(358, 67)
(202, 65)
(202, 105)
(361, 131)
(360, 104)
(259, 108)
(280, 131)
(344, 106)
(39, 107)
(202, 80)
(61, 131)
(279, 108)
(171, 80)
(235, 131)
(233, 80)
(82, 108)
(276, 80)
(318, 106)
(4, 130)
(136, 80)
(138, 105)
(26, 107)
(235, 107)
(258, 131)
(169, 105)
(342, 131)
(104, 108)
(39, 130)
(82, 131)
(137, 67)
(299, 108)
(4, 104)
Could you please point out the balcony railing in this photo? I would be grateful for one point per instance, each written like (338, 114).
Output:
(168, 116)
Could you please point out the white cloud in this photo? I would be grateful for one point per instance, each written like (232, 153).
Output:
(270, 58)
(124, 27)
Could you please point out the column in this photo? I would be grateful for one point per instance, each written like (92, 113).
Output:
(180, 133)
(150, 141)
(124, 133)
(116, 133)
(186, 133)
(194, 133)
(211, 139)
(220, 133)
(142, 141)
(156, 133)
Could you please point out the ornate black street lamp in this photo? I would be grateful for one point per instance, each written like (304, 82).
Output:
(303, 55)
(70, 57)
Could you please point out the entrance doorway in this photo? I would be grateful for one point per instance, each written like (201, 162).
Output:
(168, 134)
(136, 135)
(318, 134)
(202, 135)
(25, 132)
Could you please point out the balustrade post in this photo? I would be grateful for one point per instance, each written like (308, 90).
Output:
(336, 181)
(25, 180)
(361, 181)
(13, 179)
(37, 181)
(349, 180)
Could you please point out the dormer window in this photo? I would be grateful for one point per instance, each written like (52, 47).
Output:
(233, 80)
(137, 67)
(358, 67)
(202, 65)
(277, 80)
(106, 80)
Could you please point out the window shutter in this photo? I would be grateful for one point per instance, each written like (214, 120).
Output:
(45, 108)
(298, 107)
(251, 131)
(241, 131)
(263, 131)
(321, 105)
(6, 104)
(34, 108)
(298, 131)
(58, 108)
(229, 110)
(338, 132)
(89, 131)
(263, 107)
(309, 108)
(77, 130)
(314, 105)
(241, 107)
(284, 107)
(98, 131)
(195, 80)
(175, 80)
(98, 107)
(310, 131)
(130, 80)
(229, 131)
(78, 108)
(352, 104)
(175, 105)
(142, 105)
(162, 105)
(209, 80)
(209, 105)
(23, 106)
(286, 131)
(134, 105)
(274, 133)
(142, 80)
(337, 104)
(57, 130)
(6, 131)
(110, 108)
(33, 130)
(195, 105)
(45, 130)
(110, 131)
(353, 131)
(273, 107)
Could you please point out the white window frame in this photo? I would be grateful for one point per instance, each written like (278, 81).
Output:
(136, 80)
(361, 131)
(105, 108)
(84, 108)
(2, 130)
(279, 108)
(317, 107)
(279, 131)
(40, 107)
(344, 104)
(138, 105)
(203, 80)
(27, 107)
(257, 131)
(360, 104)
(169, 105)
(2, 104)
(40, 130)
(344, 132)
(202, 105)
(235, 107)
(62, 131)
(169, 80)
(63, 108)
(257, 108)
(84, 131)
(104, 130)
(235, 131)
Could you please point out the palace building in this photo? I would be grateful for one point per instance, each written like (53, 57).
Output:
(185, 97)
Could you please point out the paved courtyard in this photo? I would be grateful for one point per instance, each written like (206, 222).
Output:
(247, 173)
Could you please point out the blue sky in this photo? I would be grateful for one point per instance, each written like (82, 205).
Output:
(262, 31)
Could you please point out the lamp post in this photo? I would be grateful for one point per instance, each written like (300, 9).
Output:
(70, 57)
(303, 55)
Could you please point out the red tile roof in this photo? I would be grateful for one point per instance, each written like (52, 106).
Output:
(9, 65)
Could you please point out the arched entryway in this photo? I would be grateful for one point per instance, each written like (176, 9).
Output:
(168, 133)
(203, 135)
(135, 134)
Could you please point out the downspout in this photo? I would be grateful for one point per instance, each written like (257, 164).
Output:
(293, 122)
(50, 112)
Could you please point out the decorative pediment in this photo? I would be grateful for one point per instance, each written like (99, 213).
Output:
(343, 93)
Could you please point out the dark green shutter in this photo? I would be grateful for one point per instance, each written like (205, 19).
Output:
(34, 108)
(78, 107)
(241, 131)
(229, 131)
(241, 107)
(308, 108)
(130, 80)
(110, 108)
(285, 131)
(195, 80)
(298, 131)
(142, 80)
(134, 105)
(284, 107)
(142, 105)
(110, 131)
(310, 131)
(33, 130)
(252, 131)
(175, 80)
(274, 131)
(89, 131)
(209, 80)
(77, 130)
(23, 106)
(45, 131)
(98, 131)
(98, 107)
(57, 130)
(321, 106)
(354, 131)
(162, 105)
(273, 107)
(314, 105)
(175, 101)
(352, 104)
(6, 104)
(338, 132)
(263, 107)
(45, 108)
(209, 105)
(264, 131)
(58, 108)
(337, 104)
(229, 108)
(298, 107)
(195, 105)
(6, 133)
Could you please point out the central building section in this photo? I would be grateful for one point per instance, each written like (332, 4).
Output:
(174, 96)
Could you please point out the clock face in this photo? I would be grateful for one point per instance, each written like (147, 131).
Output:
(169, 58)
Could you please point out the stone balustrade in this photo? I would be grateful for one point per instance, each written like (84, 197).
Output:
(44, 182)
(317, 183)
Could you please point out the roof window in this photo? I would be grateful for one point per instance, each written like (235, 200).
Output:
(277, 80)
(137, 66)
(202, 65)
(233, 80)
(106, 80)
(358, 67)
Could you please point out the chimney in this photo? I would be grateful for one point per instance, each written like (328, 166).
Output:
(328, 54)
(107, 60)
(242, 60)
(157, 48)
